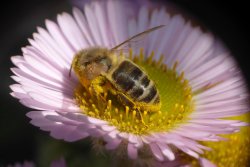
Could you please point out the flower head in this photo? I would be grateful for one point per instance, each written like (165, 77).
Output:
(199, 83)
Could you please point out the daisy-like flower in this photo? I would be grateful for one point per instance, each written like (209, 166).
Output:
(198, 82)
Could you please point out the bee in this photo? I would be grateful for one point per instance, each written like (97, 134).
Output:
(102, 70)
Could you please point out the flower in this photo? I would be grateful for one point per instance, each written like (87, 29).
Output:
(198, 81)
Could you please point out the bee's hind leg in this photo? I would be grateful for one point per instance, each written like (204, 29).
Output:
(128, 102)
(125, 100)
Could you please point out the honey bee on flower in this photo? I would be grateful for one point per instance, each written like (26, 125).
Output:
(164, 104)
(102, 70)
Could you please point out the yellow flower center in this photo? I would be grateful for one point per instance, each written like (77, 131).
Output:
(175, 95)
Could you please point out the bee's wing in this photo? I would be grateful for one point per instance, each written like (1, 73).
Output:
(134, 39)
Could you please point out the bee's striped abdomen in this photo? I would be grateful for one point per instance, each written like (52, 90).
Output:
(133, 82)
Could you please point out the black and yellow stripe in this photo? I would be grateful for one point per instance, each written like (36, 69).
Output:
(132, 81)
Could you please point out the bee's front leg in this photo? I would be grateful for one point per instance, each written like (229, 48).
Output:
(97, 87)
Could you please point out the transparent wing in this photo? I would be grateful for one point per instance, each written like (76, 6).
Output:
(135, 40)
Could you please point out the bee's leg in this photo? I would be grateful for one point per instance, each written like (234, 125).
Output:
(125, 100)
(128, 102)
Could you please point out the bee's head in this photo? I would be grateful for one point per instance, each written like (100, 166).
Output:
(92, 62)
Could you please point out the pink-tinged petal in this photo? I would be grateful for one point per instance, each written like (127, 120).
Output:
(62, 42)
(52, 102)
(136, 140)
(198, 127)
(44, 46)
(113, 144)
(46, 69)
(17, 59)
(27, 74)
(96, 121)
(102, 20)
(96, 133)
(200, 49)
(132, 138)
(146, 139)
(117, 22)
(84, 27)
(46, 53)
(71, 31)
(33, 55)
(62, 52)
(143, 18)
(17, 88)
(108, 128)
(124, 135)
(227, 85)
(132, 151)
(156, 151)
(214, 122)
(95, 27)
(206, 66)
(86, 127)
(19, 95)
(77, 116)
(187, 44)
(166, 151)
(60, 118)
(60, 96)
(157, 18)
(205, 163)
(184, 32)
(75, 136)
(59, 127)
(169, 35)
(192, 134)
(111, 136)
(189, 152)
(68, 133)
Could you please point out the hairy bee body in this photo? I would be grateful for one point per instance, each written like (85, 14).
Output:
(102, 70)
(129, 82)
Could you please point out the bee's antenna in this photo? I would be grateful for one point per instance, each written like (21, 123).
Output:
(138, 35)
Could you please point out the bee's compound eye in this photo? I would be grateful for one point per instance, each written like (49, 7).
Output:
(103, 61)
(86, 63)
(100, 59)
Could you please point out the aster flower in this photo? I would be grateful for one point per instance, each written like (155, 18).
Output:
(198, 82)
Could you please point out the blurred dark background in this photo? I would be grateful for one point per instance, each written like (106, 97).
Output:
(21, 141)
